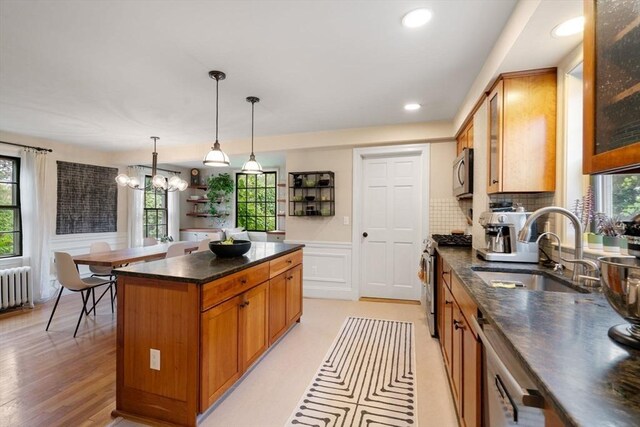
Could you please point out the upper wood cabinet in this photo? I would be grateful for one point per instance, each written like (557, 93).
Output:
(522, 132)
(611, 86)
(465, 138)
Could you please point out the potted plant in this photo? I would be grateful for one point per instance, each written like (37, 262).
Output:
(610, 228)
(219, 188)
(583, 209)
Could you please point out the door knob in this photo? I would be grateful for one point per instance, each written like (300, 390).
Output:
(365, 234)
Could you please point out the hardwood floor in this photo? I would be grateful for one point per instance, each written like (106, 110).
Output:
(52, 379)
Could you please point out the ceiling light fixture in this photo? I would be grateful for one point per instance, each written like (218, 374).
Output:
(416, 18)
(216, 157)
(158, 181)
(412, 107)
(252, 166)
(569, 28)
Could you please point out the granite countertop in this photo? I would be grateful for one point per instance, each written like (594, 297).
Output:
(203, 267)
(561, 340)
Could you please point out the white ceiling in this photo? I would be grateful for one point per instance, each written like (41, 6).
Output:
(111, 73)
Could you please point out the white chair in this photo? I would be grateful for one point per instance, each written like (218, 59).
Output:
(70, 279)
(176, 249)
(203, 245)
(99, 271)
(149, 241)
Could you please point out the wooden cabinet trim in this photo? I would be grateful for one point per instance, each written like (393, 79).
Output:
(467, 307)
(215, 292)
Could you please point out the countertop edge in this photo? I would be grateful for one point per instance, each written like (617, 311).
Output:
(231, 270)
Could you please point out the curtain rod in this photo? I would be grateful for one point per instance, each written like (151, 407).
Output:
(160, 169)
(27, 146)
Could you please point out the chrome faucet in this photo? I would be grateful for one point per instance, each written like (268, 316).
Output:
(579, 263)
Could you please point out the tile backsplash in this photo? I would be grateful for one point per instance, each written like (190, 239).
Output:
(448, 214)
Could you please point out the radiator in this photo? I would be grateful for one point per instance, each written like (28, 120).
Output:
(16, 288)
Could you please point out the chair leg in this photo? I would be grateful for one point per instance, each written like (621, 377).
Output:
(84, 308)
(93, 294)
(54, 307)
(111, 294)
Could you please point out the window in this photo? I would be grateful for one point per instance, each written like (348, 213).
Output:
(10, 216)
(617, 195)
(256, 201)
(155, 216)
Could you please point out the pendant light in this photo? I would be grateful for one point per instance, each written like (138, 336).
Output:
(216, 157)
(252, 166)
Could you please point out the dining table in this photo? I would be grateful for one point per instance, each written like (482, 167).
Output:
(120, 257)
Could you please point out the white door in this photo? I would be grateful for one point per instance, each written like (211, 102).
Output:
(390, 218)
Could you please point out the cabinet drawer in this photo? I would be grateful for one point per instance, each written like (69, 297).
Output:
(233, 284)
(285, 262)
(445, 272)
(466, 304)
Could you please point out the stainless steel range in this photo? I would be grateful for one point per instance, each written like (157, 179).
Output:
(429, 257)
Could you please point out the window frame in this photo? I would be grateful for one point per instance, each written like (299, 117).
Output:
(266, 203)
(148, 188)
(16, 208)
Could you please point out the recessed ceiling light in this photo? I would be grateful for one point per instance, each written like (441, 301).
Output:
(412, 107)
(569, 28)
(416, 18)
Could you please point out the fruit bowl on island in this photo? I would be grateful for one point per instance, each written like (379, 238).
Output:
(230, 248)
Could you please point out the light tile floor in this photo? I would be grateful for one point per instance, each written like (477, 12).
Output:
(270, 392)
(268, 395)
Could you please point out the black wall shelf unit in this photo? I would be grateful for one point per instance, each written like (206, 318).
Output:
(312, 194)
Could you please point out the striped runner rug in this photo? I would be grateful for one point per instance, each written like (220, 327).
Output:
(367, 378)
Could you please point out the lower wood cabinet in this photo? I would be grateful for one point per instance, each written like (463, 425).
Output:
(461, 348)
(254, 321)
(285, 301)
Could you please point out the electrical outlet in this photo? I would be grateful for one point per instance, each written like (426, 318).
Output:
(154, 359)
(345, 220)
(314, 270)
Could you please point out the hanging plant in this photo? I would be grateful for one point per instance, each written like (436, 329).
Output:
(218, 190)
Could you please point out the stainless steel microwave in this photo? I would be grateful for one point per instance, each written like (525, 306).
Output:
(463, 174)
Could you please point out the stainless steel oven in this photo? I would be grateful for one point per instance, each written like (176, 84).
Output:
(509, 396)
(429, 258)
(463, 174)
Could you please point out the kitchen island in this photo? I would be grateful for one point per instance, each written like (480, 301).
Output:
(189, 327)
(561, 341)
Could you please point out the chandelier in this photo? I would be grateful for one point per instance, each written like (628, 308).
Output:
(158, 181)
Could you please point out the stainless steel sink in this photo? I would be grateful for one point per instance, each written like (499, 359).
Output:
(532, 282)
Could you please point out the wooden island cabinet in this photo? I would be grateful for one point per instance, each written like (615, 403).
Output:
(189, 327)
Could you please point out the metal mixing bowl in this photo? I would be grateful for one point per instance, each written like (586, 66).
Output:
(621, 285)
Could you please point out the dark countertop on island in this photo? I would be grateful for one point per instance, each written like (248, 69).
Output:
(203, 267)
(561, 340)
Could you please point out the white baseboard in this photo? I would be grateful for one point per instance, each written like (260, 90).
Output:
(327, 270)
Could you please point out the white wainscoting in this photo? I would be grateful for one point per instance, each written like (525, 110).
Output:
(327, 270)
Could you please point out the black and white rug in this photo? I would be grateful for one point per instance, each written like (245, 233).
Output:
(367, 378)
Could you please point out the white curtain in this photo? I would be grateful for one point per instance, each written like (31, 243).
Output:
(35, 221)
(173, 211)
(135, 208)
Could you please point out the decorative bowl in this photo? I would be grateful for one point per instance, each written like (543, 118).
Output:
(309, 182)
(296, 198)
(309, 198)
(194, 197)
(237, 248)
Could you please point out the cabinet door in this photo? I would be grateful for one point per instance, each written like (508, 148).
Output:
(254, 324)
(495, 139)
(277, 306)
(220, 364)
(471, 374)
(439, 300)
(294, 294)
(456, 357)
(447, 319)
(470, 136)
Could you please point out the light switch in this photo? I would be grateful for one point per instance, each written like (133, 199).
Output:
(154, 359)
(345, 220)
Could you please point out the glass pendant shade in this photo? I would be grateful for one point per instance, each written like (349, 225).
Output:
(216, 157)
(123, 179)
(252, 166)
(133, 182)
(159, 181)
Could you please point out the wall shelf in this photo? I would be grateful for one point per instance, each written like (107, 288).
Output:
(312, 193)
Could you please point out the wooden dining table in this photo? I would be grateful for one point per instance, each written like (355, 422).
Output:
(119, 257)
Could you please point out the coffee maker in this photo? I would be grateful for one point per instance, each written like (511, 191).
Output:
(501, 236)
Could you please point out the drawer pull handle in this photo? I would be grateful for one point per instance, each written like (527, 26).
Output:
(290, 277)
(289, 261)
(448, 302)
(458, 325)
(243, 281)
(246, 303)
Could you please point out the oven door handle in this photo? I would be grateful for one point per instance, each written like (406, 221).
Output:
(527, 397)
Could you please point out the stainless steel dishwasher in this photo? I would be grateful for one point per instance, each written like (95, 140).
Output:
(509, 395)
